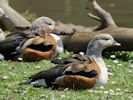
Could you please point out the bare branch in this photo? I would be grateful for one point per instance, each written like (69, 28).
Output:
(4, 2)
(94, 17)
(14, 18)
(106, 18)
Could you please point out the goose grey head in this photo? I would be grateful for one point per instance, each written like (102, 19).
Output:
(100, 42)
(45, 24)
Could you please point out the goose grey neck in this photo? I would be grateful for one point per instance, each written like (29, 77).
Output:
(95, 53)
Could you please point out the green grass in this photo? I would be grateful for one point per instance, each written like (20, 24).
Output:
(119, 87)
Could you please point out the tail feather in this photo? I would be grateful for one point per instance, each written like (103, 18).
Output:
(37, 83)
(44, 78)
(26, 82)
(64, 60)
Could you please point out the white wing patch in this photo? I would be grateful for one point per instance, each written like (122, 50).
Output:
(59, 48)
(40, 82)
(1, 57)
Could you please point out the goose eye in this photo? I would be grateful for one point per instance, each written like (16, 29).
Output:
(105, 39)
(49, 24)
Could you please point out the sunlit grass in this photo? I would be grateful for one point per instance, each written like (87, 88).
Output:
(119, 87)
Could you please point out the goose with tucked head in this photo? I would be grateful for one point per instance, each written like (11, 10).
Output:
(78, 71)
(42, 25)
(45, 44)
(32, 43)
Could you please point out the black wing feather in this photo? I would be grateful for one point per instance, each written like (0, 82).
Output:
(72, 59)
(89, 74)
(49, 75)
(64, 60)
(8, 46)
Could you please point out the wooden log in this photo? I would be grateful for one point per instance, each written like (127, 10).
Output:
(101, 15)
(15, 19)
(80, 35)
(79, 40)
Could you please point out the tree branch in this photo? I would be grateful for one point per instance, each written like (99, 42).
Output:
(94, 17)
(105, 17)
(15, 19)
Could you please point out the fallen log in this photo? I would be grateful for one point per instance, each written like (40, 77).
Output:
(15, 19)
(79, 36)
(79, 39)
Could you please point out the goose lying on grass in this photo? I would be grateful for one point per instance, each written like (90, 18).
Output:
(77, 71)
(32, 43)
